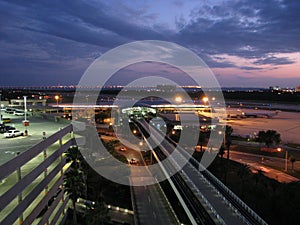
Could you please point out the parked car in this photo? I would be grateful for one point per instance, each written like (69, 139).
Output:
(13, 133)
(19, 113)
(6, 120)
(133, 161)
(4, 128)
(123, 149)
(9, 110)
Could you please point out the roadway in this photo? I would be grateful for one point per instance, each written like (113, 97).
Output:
(149, 202)
(225, 206)
(264, 163)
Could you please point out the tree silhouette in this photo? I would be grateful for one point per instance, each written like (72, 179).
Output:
(228, 132)
(74, 186)
(74, 179)
(292, 160)
(222, 151)
(269, 137)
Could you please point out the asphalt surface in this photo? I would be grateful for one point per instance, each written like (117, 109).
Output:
(264, 163)
(10, 146)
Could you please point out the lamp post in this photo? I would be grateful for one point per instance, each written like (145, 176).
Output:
(205, 100)
(56, 97)
(25, 122)
(0, 109)
(286, 161)
(178, 99)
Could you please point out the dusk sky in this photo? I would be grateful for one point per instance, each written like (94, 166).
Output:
(246, 43)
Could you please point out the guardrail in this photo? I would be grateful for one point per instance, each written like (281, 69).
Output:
(257, 218)
(30, 166)
(234, 196)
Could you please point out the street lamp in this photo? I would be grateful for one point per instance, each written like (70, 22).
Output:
(178, 99)
(25, 122)
(205, 100)
(56, 97)
(0, 109)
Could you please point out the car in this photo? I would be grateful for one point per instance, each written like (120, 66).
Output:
(4, 128)
(123, 149)
(13, 133)
(133, 161)
(19, 113)
(6, 120)
(9, 110)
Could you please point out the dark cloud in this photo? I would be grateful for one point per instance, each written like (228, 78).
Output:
(59, 39)
(274, 61)
(266, 26)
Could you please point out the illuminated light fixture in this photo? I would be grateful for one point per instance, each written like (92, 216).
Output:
(178, 99)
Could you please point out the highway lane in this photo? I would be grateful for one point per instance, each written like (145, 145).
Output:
(263, 163)
(150, 204)
(219, 198)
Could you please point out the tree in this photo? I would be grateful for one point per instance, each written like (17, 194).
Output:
(243, 172)
(201, 140)
(74, 186)
(73, 154)
(269, 137)
(74, 179)
(222, 151)
(292, 160)
(258, 176)
(228, 132)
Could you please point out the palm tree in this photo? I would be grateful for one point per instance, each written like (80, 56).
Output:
(201, 140)
(221, 151)
(74, 186)
(292, 160)
(73, 154)
(243, 172)
(74, 179)
(258, 176)
(228, 132)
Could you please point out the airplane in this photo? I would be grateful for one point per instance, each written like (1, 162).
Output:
(246, 113)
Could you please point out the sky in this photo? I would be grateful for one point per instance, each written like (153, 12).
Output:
(246, 43)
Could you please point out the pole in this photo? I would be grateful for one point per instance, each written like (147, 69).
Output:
(25, 114)
(286, 160)
(0, 109)
(25, 107)
(20, 198)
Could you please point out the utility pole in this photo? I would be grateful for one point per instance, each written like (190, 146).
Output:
(286, 161)
(0, 109)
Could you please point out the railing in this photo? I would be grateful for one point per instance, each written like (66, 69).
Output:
(30, 183)
(234, 196)
(244, 206)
